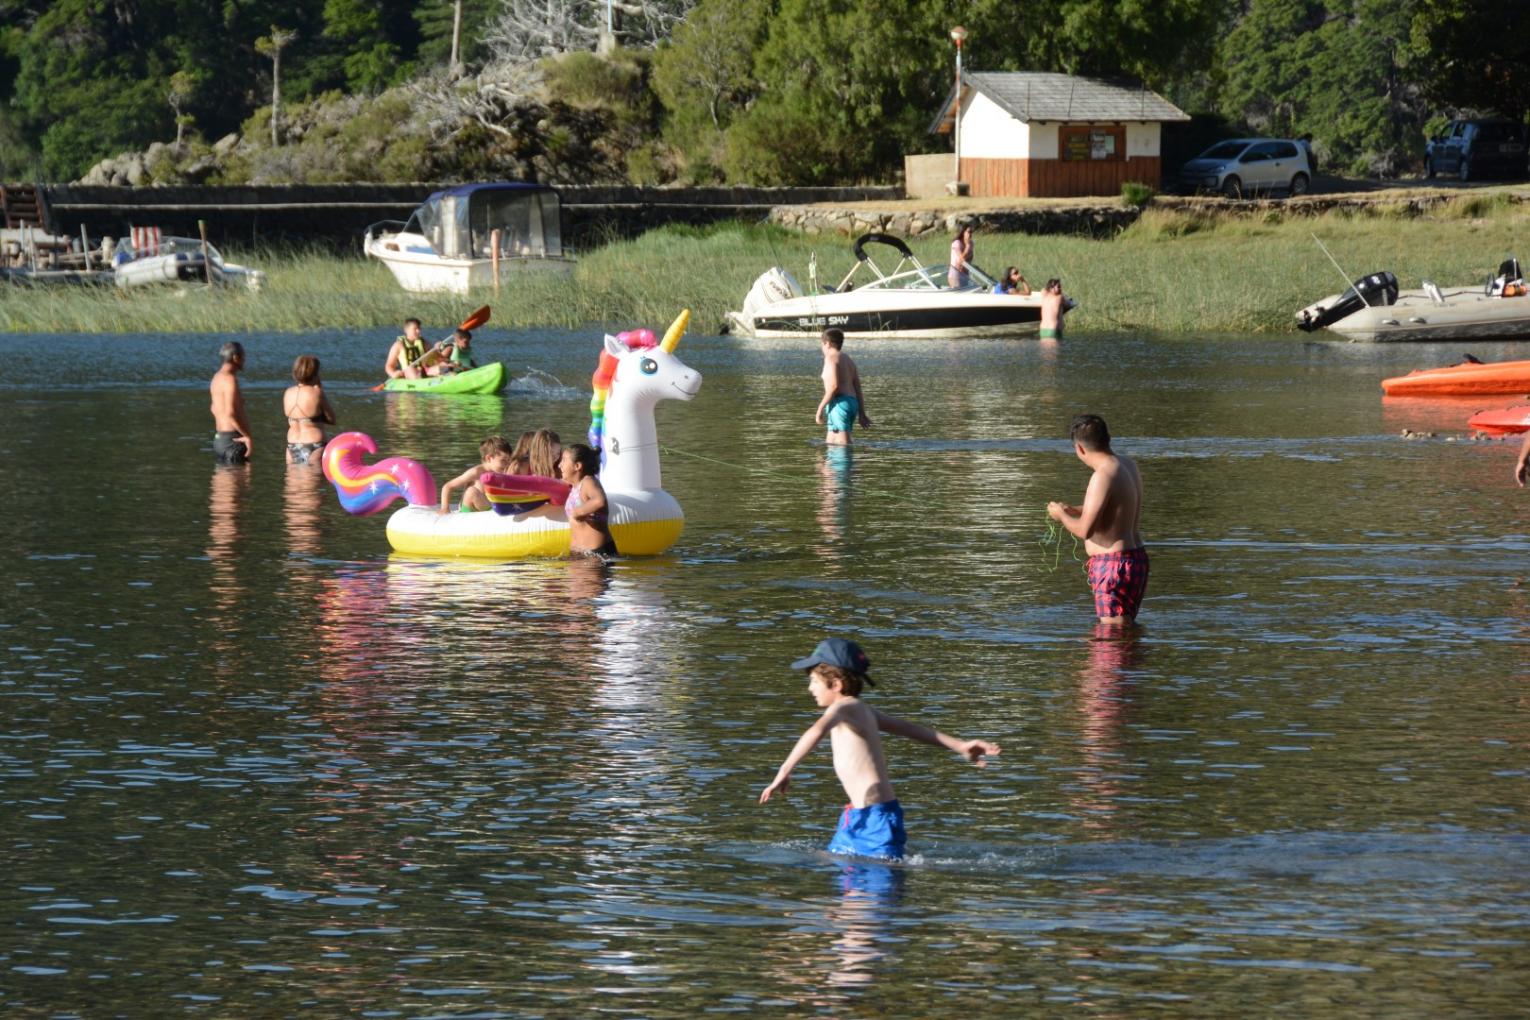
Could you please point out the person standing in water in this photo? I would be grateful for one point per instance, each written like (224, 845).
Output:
(307, 410)
(1522, 465)
(1053, 304)
(1108, 522)
(231, 426)
(842, 404)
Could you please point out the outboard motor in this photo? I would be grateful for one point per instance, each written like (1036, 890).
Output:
(1509, 282)
(1376, 289)
(775, 284)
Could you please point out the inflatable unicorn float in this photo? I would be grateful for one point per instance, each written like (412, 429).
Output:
(634, 374)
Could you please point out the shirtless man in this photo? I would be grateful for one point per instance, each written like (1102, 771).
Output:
(843, 403)
(1052, 302)
(231, 438)
(1108, 522)
(405, 352)
(1522, 465)
(872, 823)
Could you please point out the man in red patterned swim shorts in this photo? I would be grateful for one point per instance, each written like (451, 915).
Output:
(1108, 523)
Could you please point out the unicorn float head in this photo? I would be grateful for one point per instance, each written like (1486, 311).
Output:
(634, 374)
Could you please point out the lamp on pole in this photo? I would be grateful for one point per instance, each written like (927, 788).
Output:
(958, 36)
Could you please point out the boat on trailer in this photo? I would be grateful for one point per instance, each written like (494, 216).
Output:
(911, 301)
(141, 263)
(472, 236)
(1373, 308)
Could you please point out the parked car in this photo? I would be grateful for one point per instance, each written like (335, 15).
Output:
(1484, 147)
(1246, 166)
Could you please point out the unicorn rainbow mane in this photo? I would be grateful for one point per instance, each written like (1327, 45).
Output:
(600, 382)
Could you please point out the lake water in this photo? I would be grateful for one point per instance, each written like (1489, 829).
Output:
(254, 766)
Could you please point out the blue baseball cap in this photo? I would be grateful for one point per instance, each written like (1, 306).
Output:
(838, 652)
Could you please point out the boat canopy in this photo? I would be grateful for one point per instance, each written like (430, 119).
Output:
(460, 221)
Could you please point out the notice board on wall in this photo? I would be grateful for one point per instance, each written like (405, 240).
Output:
(1093, 142)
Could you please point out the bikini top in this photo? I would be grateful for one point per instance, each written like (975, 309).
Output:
(598, 518)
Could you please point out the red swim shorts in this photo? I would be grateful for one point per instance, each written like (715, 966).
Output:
(1118, 580)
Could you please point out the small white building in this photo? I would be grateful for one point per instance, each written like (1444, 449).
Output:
(1029, 134)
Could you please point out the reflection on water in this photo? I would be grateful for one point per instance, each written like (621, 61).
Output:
(413, 418)
(227, 496)
(1105, 700)
(834, 471)
(258, 766)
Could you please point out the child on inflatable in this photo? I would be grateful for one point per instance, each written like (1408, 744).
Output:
(589, 533)
(494, 454)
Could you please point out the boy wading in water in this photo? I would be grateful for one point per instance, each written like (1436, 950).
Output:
(842, 403)
(872, 823)
(1108, 522)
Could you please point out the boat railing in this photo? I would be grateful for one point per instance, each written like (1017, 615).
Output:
(384, 226)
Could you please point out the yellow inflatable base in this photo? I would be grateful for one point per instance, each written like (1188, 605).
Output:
(638, 538)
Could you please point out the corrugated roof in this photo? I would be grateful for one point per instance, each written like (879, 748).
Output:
(1041, 95)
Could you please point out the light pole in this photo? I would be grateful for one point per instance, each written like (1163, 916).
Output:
(958, 36)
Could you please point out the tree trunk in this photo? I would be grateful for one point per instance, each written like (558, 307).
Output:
(276, 94)
(454, 67)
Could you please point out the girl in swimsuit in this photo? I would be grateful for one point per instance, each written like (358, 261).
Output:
(589, 533)
(307, 410)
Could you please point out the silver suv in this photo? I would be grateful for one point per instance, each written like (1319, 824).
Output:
(1247, 166)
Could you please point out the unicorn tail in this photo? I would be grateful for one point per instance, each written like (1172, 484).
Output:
(367, 488)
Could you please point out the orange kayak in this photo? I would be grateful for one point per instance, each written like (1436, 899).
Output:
(1510, 419)
(1465, 380)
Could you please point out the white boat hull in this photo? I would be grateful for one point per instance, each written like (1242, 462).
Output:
(890, 314)
(424, 272)
(1417, 315)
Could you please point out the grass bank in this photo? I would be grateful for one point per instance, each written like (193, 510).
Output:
(1174, 270)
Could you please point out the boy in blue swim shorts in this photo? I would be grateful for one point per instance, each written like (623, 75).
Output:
(843, 404)
(872, 823)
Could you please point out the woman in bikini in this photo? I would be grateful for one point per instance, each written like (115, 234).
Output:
(307, 410)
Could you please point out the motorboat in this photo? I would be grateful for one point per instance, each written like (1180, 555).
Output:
(1374, 309)
(911, 300)
(152, 259)
(467, 237)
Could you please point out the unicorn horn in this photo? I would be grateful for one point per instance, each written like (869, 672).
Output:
(675, 332)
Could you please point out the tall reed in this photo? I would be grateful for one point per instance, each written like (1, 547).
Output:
(1170, 272)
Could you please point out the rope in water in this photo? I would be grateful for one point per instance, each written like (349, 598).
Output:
(1053, 538)
(792, 475)
(1053, 535)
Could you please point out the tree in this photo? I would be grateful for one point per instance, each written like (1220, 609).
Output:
(183, 88)
(453, 30)
(1329, 68)
(1472, 54)
(271, 46)
(705, 75)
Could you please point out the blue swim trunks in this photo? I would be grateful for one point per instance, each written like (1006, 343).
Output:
(872, 831)
(842, 412)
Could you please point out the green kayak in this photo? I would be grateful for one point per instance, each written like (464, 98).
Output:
(484, 379)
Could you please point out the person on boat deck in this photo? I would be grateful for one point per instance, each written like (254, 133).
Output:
(406, 353)
(231, 425)
(589, 531)
(961, 257)
(494, 455)
(307, 410)
(1013, 282)
(1052, 304)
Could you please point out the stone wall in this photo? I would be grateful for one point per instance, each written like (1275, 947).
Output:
(335, 216)
(1093, 220)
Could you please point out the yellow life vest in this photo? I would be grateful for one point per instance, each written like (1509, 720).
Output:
(411, 351)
